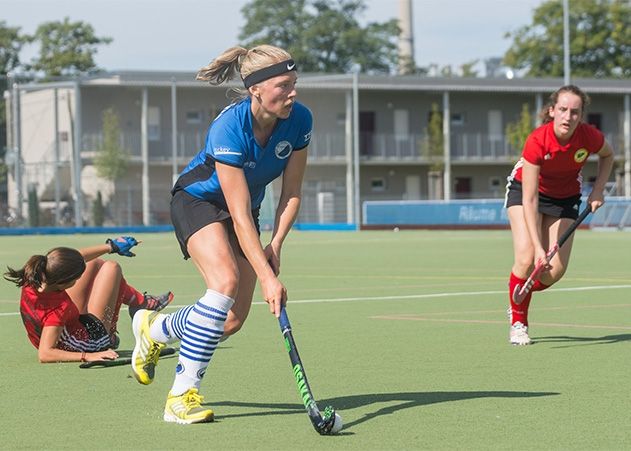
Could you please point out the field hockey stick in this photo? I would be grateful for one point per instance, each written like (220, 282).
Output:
(322, 424)
(520, 292)
(120, 361)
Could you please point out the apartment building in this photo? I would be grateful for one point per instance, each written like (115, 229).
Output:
(369, 140)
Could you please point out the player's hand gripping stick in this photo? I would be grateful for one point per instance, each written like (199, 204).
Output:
(520, 292)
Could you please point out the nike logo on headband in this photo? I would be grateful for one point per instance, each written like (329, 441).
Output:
(291, 66)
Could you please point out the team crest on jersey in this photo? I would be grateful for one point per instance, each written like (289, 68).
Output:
(581, 155)
(283, 149)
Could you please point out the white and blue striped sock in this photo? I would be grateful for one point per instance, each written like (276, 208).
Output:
(170, 328)
(203, 327)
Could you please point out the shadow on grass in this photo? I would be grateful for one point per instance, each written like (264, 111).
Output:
(583, 341)
(402, 400)
(126, 354)
(124, 358)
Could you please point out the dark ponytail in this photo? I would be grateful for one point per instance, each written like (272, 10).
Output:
(32, 274)
(59, 266)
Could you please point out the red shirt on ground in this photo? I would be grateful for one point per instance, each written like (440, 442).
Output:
(39, 310)
(560, 166)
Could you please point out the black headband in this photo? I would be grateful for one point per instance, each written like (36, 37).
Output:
(268, 72)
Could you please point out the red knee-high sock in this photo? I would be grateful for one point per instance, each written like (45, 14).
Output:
(538, 286)
(115, 316)
(128, 295)
(519, 312)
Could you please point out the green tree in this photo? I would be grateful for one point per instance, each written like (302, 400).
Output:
(434, 144)
(111, 159)
(322, 35)
(11, 43)
(33, 206)
(98, 210)
(66, 48)
(600, 40)
(468, 69)
(518, 131)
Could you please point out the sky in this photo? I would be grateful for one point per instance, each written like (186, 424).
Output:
(184, 35)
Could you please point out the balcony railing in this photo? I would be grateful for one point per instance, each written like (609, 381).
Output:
(331, 147)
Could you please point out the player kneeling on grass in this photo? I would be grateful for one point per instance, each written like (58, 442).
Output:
(544, 193)
(71, 299)
(214, 210)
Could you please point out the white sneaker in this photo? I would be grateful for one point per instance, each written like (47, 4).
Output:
(519, 334)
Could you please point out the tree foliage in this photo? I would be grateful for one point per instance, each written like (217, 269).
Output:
(11, 43)
(66, 48)
(111, 159)
(600, 40)
(98, 210)
(435, 143)
(322, 35)
(518, 131)
(33, 207)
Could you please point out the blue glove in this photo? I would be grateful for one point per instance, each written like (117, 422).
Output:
(122, 245)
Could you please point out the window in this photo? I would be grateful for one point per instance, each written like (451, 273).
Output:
(595, 119)
(401, 124)
(462, 187)
(496, 133)
(378, 184)
(495, 183)
(153, 123)
(457, 119)
(193, 117)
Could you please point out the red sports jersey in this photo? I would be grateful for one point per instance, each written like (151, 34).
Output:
(39, 310)
(560, 166)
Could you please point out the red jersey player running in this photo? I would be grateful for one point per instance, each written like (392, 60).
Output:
(544, 193)
(70, 301)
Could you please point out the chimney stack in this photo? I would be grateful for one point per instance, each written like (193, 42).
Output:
(406, 38)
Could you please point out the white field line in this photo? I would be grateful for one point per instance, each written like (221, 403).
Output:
(503, 323)
(412, 296)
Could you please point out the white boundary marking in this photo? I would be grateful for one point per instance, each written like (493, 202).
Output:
(405, 297)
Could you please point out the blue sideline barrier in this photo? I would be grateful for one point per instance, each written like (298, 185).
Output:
(13, 231)
(72, 230)
(464, 213)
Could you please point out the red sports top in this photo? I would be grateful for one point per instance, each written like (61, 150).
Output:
(39, 310)
(560, 166)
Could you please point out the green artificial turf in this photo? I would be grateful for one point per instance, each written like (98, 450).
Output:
(405, 334)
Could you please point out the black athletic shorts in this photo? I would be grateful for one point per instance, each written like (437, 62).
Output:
(190, 214)
(97, 331)
(557, 208)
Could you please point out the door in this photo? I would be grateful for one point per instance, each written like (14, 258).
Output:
(412, 187)
(366, 132)
(463, 187)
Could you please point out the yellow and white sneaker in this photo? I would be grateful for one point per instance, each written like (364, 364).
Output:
(187, 408)
(146, 352)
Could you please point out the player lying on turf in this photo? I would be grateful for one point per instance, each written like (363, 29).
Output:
(544, 193)
(215, 209)
(70, 301)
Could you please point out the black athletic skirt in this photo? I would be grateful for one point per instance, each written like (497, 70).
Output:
(190, 214)
(557, 208)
